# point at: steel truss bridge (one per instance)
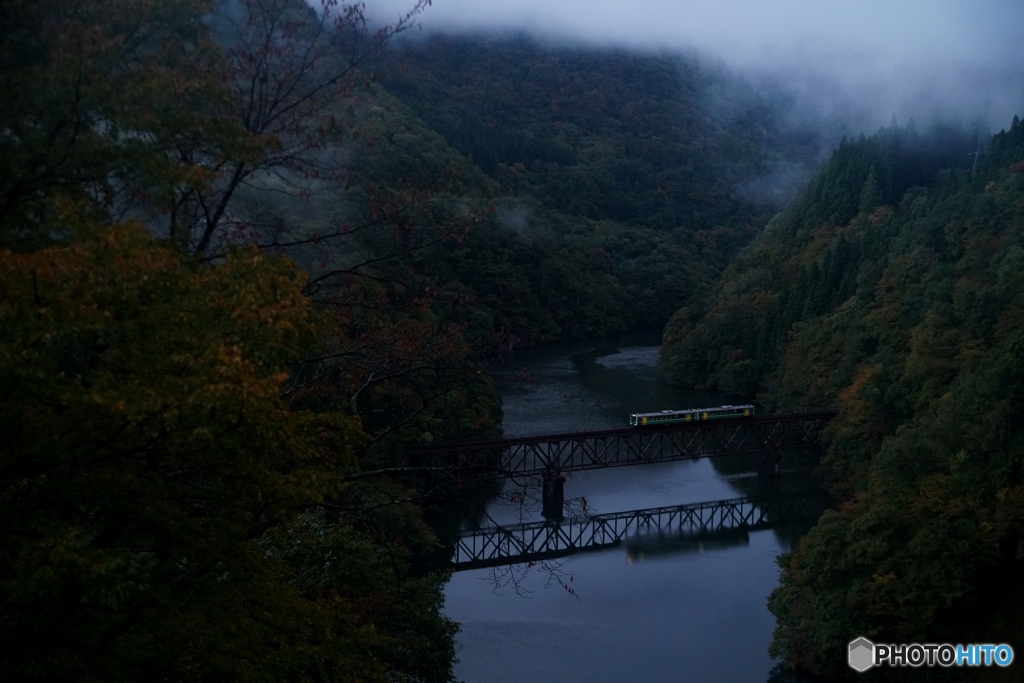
(558, 453)
(544, 540)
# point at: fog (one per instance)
(872, 58)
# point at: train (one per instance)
(690, 415)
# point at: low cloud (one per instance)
(904, 57)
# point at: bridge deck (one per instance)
(528, 439)
(555, 453)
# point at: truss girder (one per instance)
(535, 541)
(537, 455)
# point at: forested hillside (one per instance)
(892, 289)
(615, 186)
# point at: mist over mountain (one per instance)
(866, 61)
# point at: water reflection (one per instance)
(647, 548)
(539, 541)
(652, 548)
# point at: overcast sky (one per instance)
(904, 57)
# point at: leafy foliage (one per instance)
(74, 77)
(146, 460)
(183, 471)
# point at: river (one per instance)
(648, 610)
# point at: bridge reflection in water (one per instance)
(543, 540)
(641, 548)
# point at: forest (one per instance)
(891, 289)
(252, 250)
(620, 185)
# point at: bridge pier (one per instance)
(769, 465)
(554, 496)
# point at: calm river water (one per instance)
(646, 611)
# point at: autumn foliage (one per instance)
(180, 467)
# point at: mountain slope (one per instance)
(618, 185)
(902, 304)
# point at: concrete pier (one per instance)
(554, 496)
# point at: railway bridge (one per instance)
(551, 456)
